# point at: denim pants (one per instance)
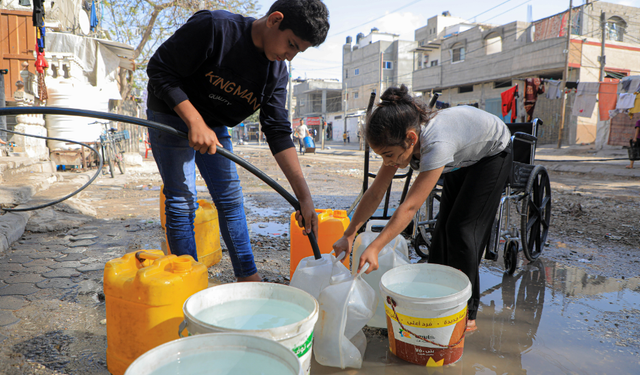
(176, 162)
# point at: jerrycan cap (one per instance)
(181, 265)
(341, 214)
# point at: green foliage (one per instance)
(255, 117)
(145, 24)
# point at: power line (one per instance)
(517, 6)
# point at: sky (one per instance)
(403, 17)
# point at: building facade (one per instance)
(375, 62)
(475, 64)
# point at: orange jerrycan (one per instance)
(144, 294)
(331, 226)
(206, 228)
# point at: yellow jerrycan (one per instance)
(144, 294)
(331, 226)
(206, 228)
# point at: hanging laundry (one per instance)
(607, 98)
(585, 100)
(554, 90)
(532, 88)
(94, 18)
(630, 84)
(38, 13)
(626, 100)
(636, 106)
(509, 102)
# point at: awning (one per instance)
(124, 51)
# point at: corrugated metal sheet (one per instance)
(17, 43)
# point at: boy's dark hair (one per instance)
(308, 19)
(397, 113)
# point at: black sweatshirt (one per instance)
(211, 60)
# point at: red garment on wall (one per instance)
(509, 102)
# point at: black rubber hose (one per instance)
(162, 127)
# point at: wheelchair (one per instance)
(527, 195)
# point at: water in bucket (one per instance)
(421, 290)
(253, 314)
(218, 354)
(224, 362)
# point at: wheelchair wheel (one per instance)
(422, 244)
(536, 213)
(510, 257)
(425, 224)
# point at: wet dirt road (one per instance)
(575, 310)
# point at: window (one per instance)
(493, 44)
(457, 54)
(463, 89)
(355, 95)
(346, 73)
(357, 71)
(434, 63)
(387, 65)
(615, 29)
(423, 60)
(502, 84)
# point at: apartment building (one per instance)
(474, 63)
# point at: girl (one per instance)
(469, 146)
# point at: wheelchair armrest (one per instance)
(524, 137)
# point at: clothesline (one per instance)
(623, 98)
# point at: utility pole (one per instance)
(344, 109)
(565, 74)
(603, 59)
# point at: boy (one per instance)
(216, 70)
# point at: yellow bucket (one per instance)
(144, 293)
(206, 228)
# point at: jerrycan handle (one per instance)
(364, 268)
(141, 256)
(371, 223)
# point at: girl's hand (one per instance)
(343, 245)
(370, 256)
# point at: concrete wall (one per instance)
(368, 60)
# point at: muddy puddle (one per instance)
(545, 319)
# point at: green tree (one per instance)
(145, 24)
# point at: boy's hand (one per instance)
(203, 139)
(310, 217)
(370, 256)
(343, 245)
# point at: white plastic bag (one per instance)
(346, 305)
(313, 275)
(394, 254)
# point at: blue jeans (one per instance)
(176, 162)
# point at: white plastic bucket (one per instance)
(426, 307)
(298, 336)
(218, 354)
